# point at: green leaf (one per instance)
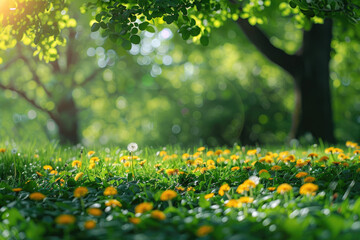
(143, 26)
(95, 27)
(204, 40)
(195, 31)
(292, 4)
(135, 39)
(185, 35)
(150, 29)
(134, 30)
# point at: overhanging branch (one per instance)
(29, 100)
(290, 63)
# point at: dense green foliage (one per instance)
(255, 205)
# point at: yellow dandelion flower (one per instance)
(301, 174)
(276, 168)
(80, 192)
(249, 183)
(89, 224)
(242, 188)
(263, 171)
(309, 179)
(94, 211)
(53, 172)
(185, 156)
(200, 149)
(208, 196)
(235, 168)
(2, 150)
(246, 199)
(143, 207)
(65, 219)
(190, 189)
(204, 231)
(180, 188)
(90, 153)
(110, 191)
(113, 203)
(134, 220)
(158, 215)
(312, 155)
(17, 189)
(271, 189)
(284, 188)
(218, 152)
(36, 196)
(209, 153)
(168, 195)
(76, 164)
(79, 176)
(233, 203)
(47, 167)
(224, 188)
(308, 188)
(226, 151)
(92, 166)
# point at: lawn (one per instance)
(174, 193)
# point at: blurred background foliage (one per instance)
(170, 91)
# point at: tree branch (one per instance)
(290, 63)
(9, 63)
(88, 79)
(36, 77)
(29, 100)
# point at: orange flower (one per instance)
(134, 220)
(76, 164)
(113, 203)
(80, 192)
(276, 168)
(17, 189)
(301, 174)
(48, 167)
(36, 196)
(65, 219)
(224, 188)
(204, 231)
(157, 214)
(308, 188)
(143, 207)
(208, 196)
(110, 191)
(309, 179)
(90, 224)
(284, 188)
(233, 203)
(94, 211)
(168, 195)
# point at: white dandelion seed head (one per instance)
(132, 147)
(14, 150)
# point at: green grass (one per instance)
(332, 211)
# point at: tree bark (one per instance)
(67, 121)
(310, 71)
(313, 84)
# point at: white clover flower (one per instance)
(132, 147)
(255, 179)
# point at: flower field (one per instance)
(148, 193)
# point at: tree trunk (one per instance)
(67, 121)
(312, 90)
(310, 70)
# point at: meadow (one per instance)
(173, 193)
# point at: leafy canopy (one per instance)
(39, 22)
